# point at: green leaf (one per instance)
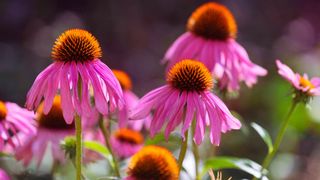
(224, 162)
(99, 148)
(264, 135)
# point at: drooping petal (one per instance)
(145, 104)
(287, 73)
(176, 117)
(66, 98)
(51, 91)
(35, 91)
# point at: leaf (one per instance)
(224, 162)
(264, 135)
(99, 148)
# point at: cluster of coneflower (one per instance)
(77, 96)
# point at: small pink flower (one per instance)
(211, 40)
(76, 66)
(187, 96)
(52, 129)
(126, 142)
(4, 175)
(301, 83)
(131, 101)
(14, 119)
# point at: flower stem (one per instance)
(195, 151)
(106, 136)
(78, 147)
(183, 150)
(279, 137)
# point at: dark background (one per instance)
(134, 36)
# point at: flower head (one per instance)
(186, 97)
(52, 128)
(212, 21)
(130, 101)
(126, 142)
(305, 87)
(75, 70)
(190, 75)
(14, 119)
(153, 162)
(76, 45)
(210, 39)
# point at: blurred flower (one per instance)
(4, 175)
(14, 119)
(186, 95)
(52, 129)
(304, 87)
(76, 66)
(126, 142)
(153, 162)
(211, 39)
(130, 101)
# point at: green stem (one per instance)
(78, 147)
(74, 164)
(183, 150)
(195, 151)
(279, 137)
(106, 136)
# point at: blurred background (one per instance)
(134, 36)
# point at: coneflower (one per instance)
(76, 63)
(77, 69)
(153, 162)
(304, 90)
(14, 119)
(186, 97)
(303, 86)
(210, 38)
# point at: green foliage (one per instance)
(224, 162)
(263, 133)
(99, 148)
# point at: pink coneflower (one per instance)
(52, 128)
(76, 66)
(126, 142)
(14, 119)
(131, 101)
(210, 38)
(4, 175)
(187, 95)
(301, 83)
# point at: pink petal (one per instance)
(66, 99)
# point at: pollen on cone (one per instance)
(190, 75)
(76, 45)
